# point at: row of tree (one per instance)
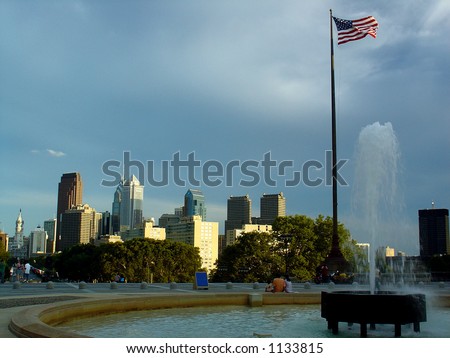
(135, 260)
(297, 246)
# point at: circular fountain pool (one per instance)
(282, 321)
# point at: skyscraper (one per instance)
(106, 224)
(70, 193)
(272, 206)
(433, 232)
(77, 226)
(115, 212)
(131, 204)
(194, 204)
(38, 241)
(50, 228)
(239, 212)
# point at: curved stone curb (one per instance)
(42, 321)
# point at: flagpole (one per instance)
(335, 260)
(333, 130)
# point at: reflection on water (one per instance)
(290, 321)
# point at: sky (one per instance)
(244, 85)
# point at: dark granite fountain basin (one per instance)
(383, 307)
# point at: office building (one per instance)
(107, 239)
(232, 235)
(50, 228)
(433, 232)
(115, 212)
(38, 241)
(271, 206)
(146, 230)
(131, 204)
(194, 204)
(106, 224)
(77, 226)
(194, 231)
(239, 212)
(166, 219)
(70, 193)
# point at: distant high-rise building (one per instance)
(106, 224)
(179, 211)
(239, 212)
(50, 228)
(166, 219)
(193, 231)
(78, 226)
(232, 235)
(194, 204)
(131, 204)
(38, 241)
(434, 232)
(115, 213)
(146, 230)
(70, 193)
(272, 206)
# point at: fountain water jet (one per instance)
(375, 195)
(375, 198)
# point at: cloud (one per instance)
(55, 153)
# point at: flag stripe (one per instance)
(351, 30)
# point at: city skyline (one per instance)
(83, 83)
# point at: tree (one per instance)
(135, 260)
(304, 249)
(79, 262)
(297, 246)
(250, 259)
(4, 255)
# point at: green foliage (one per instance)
(136, 260)
(298, 245)
(4, 255)
(250, 259)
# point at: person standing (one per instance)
(27, 271)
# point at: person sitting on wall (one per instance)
(278, 284)
(288, 287)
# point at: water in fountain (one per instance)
(375, 198)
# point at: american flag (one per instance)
(351, 30)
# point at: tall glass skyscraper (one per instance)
(194, 204)
(115, 212)
(129, 202)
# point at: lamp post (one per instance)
(287, 240)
